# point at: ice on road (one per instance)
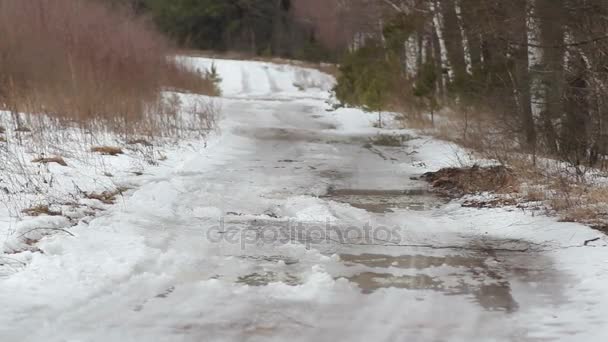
(291, 225)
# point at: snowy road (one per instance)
(292, 226)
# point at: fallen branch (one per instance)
(587, 242)
(50, 229)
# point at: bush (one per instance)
(370, 77)
(84, 62)
(366, 78)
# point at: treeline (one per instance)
(257, 27)
(535, 72)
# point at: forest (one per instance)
(530, 75)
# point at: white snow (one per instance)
(151, 268)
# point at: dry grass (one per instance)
(75, 74)
(181, 78)
(107, 197)
(84, 63)
(49, 160)
(472, 180)
(40, 210)
(534, 195)
(107, 150)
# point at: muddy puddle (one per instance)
(485, 277)
(418, 262)
(387, 201)
(266, 278)
(473, 277)
(270, 259)
(482, 270)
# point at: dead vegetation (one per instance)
(82, 62)
(581, 202)
(107, 197)
(107, 150)
(475, 179)
(49, 160)
(77, 78)
(548, 185)
(40, 210)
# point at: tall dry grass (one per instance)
(80, 61)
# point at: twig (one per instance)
(13, 260)
(51, 229)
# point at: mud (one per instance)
(387, 201)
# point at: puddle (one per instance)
(334, 175)
(281, 134)
(418, 262)
(486, 286)
(387, 201)
(271, 259)
(484, 278)
(482, 270)
(265, 278)
(370, 281)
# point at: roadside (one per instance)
(56, 176)
(497, 176)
